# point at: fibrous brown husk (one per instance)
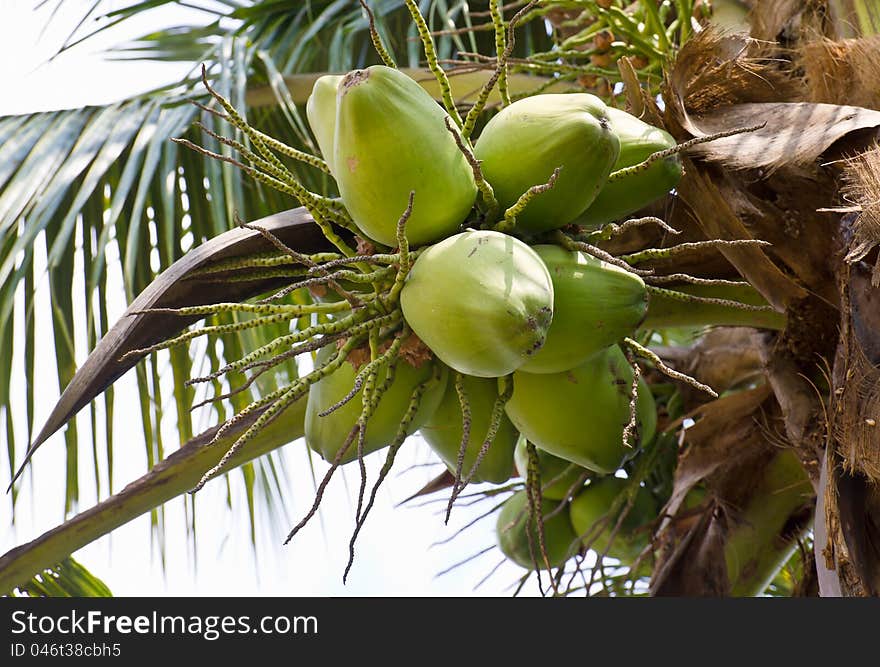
(856, 404)
(715, 69)
(842, 72)
(861, 192)
(848, 533)
(786, 20)
(855, 408)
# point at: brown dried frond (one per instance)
(358, 356)
(720, 82)
(841, 72)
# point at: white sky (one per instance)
(394, 554)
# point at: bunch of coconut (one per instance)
(521, 333)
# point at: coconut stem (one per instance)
(496, 12)
(378, 44)
(669, 152)
(536, 507)
(465, 407)
(710, 301)
(433, 64)
(644, 352)
(609, 231)
(510, 214)
(668, 253)
(486, 191)
(387, 357)
(271, 142)
(277, 401)
(500, 73)
(399, 438)
(667, 308)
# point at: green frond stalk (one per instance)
(710, 301)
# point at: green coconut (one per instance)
(522, 145)
(513, 530)
(321, 113)
(391, 139)
(594, 522)
(595, 304)
(326, 435)
(443, 431)
(580, 414)
(559, 477)
(481, 300)
(620, 198)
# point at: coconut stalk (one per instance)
(664, 311)
(170, 478)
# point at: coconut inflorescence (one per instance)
(461, 301)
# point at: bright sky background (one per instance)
(395, 556)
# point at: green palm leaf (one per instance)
(66, 579)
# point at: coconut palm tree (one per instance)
(117, 182)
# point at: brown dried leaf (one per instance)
(796, 133)
(713, 211)
(365, 247)
(723, 358)
(723, 82)
(696, 565)
(723, 434)
(443, 481)
(415, 352)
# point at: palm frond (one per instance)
(174, 476)
(104, 189)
